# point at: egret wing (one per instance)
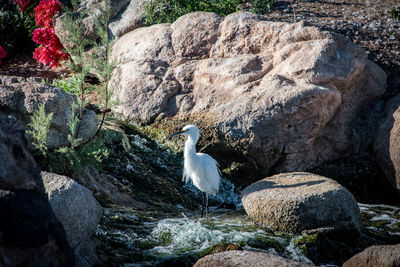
(210, 172)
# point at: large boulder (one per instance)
(243, 258)
(30, 233)
(387, 142)
(20, 100)
(78, 211)
(293, 202)
(273, 93)
(382, 256)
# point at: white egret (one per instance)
(201, 168)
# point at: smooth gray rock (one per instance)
(78, 211)
(20, 100)
(242, 258)
(293, 202)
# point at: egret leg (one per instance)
(206, 205)
(203, 204)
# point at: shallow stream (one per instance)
(175, 235)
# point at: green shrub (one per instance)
(72, 158)
(15, 27)
(260, 6)
(396, 13)
(167, 11)
(69, 84)
(70, 162)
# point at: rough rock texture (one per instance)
(126, 15)
(103, 189)
(30, 233)
(78, 211)
(382, 256)
(242, 258)
(19, 101)
(276, 91)
(387, 142)
(130, 18)
(292, 202)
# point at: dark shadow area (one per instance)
(362, 177)
(30, 233)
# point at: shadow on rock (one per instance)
(30, 234)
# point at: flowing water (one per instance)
(177, 236)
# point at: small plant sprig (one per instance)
(40, 124)
(97, 61)
(101, 62)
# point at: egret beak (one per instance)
(180, 132)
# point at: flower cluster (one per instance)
(3, 53)
(23, 4)
(49, 56)
(46, 36)
(45, 11)
(51, 50)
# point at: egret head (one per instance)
(190, 130)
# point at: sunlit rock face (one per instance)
(376, 256)
(246, 258)
(293, 202)
(284, 95)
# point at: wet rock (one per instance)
(104, 190)
(387, 142)
(30, 233)
(294, 202)
(78, 211)
(246, 258)
(383, 256)
(273, 91)
(19, 101)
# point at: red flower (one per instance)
(46, 36)
(49, 56)
(23, 4)
(3, 53)
(51, 50)
(45, 11)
